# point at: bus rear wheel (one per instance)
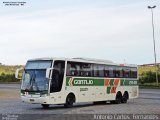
(118, 98)
(69, 101)
(125, 97)
(45, 105)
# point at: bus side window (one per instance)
(106, 71)
(111, 71)
(68, 69)
(126, 73)
(73, 71)
(101, 69)
(117, 72)
(121, 72)
(95, 70)
(86, 70)
(77, 66)
(133, 73)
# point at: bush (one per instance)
(8, 78)
(148, 77)
(7, 73)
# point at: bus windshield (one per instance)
(34, 80)
(34, 76)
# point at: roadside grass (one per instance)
(150, 85)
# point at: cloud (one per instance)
(115, 33)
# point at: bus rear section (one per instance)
(101, 82)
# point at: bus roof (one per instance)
(87, 60)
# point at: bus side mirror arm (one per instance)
(48, 72)
(17, 72)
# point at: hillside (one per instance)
(9, 69)
(7, 73)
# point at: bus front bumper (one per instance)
(35, 100)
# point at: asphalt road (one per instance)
(147, 103)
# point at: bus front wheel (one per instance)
(118, 98)
(45, 105)
(69, 101)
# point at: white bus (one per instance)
(67, 81)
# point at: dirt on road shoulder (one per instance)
(9, 94)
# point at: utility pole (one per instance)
(149, 7)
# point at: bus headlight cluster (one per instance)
(22, 94)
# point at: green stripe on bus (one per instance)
(99, 82)
(67, 81)
(108, 90)
(71, 81)
(130, 82)
(111, 82)
(121, 81)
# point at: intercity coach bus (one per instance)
(67, 81)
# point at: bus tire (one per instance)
(45, 105)
(95, 103)
(125, 97)
(112, 102)
(99, 102)
(69, 100)
(118, 98)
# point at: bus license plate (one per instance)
(31, 100)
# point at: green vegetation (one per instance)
(150, 85)
(7, 73)
(147, 76)
(145, 69)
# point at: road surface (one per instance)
(147, 103)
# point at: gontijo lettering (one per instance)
(81, 82)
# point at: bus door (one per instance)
(57, 80)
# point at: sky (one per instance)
(118, 30)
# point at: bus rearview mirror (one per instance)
(17, 73)
(48, 72)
